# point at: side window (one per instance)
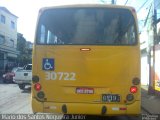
(12, 25)
(51, 38)
(42, 34)
(48, 37)
(130, 36)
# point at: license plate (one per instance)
(110, 98)
(84, 90)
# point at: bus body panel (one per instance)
(103, 68)
(84, 108)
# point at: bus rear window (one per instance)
(86, 26)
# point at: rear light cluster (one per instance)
(133, 89)
(38, 87)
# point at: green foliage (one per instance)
(25, 54)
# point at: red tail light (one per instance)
(133, 89)
(37, 87)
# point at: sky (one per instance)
(27, 11)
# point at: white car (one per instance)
(23, 77)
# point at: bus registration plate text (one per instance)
(110, 98)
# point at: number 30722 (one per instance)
(60, 76)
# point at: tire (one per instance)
(21, 86)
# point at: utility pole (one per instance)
(113, 2)
(151, 89)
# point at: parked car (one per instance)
(23, 77)
(8, 77)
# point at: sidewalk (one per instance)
(150, 103)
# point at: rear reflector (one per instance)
(133, 89)
(37, 87)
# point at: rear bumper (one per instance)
(22, 81)
(84, 108)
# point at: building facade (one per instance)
(8, 38)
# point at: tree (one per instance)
(24, 56)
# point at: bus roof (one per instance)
(86, 5)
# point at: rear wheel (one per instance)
(21, 86)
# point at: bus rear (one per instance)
(86, 60)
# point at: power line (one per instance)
(142, 6)
(126, 2)
(148, 15)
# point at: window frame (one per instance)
(13, 25)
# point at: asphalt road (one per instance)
(15, 101)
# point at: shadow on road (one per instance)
(28, 90)
(7, 82)
(1, 82)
